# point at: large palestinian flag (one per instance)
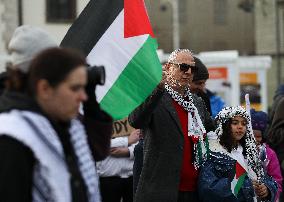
(238, 180)
(118, 35)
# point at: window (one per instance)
(60, 10)
(220, 12)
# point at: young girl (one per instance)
(267, 155)
(232, 170)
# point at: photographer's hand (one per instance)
(91, 107)
(98, 125)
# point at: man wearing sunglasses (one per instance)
(174, 122)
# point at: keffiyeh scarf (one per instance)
(196, 129)
(250, 144)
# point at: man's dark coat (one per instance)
(163, 146)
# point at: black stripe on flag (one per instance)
(91, 24)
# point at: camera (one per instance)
(96, 75)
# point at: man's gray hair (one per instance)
(174, 54)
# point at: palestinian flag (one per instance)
(238, 180)
(117, 34)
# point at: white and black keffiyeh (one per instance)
(196, 129)
(51, 181)
(250, 144)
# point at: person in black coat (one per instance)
(275, 136)
(172, 120)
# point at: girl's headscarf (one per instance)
(250, 144)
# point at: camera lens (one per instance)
(96, 75)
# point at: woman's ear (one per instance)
(43, 89)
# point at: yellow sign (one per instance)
(249, 85)
(248, 78)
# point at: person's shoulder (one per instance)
(279, 103)
(216, 147)
(269, 149)
(196, 97)
(217, 99)
(217, 151)
(281, 100)
(197, 101)
(14, 148)
(11, 118)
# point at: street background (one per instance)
(249, 27)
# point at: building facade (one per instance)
(269, 37)
(52, 15)
(207, 25)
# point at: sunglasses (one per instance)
(185, 67)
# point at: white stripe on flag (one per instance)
(114, 52)
(233, 185)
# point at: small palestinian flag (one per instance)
(117, 34)
(238, 180)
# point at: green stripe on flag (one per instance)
(239, 184)
(135, 83)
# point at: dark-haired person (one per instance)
(213, 102)
(27, 41)
(278, 95)
(275, 135)
(233, 169)
(44, 151)
(173, 122)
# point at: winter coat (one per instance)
(279, 94)
(272, 167)
(216, 103)
(163, 146)
(276, 134)
(215, 181)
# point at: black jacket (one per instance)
(163, 146)
(276, 134)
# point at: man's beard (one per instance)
(176, 84)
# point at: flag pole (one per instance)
(248, 109)
(250, 129)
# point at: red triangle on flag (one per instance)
(136, 20)
(239, 170)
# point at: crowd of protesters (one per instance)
(186, 146)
